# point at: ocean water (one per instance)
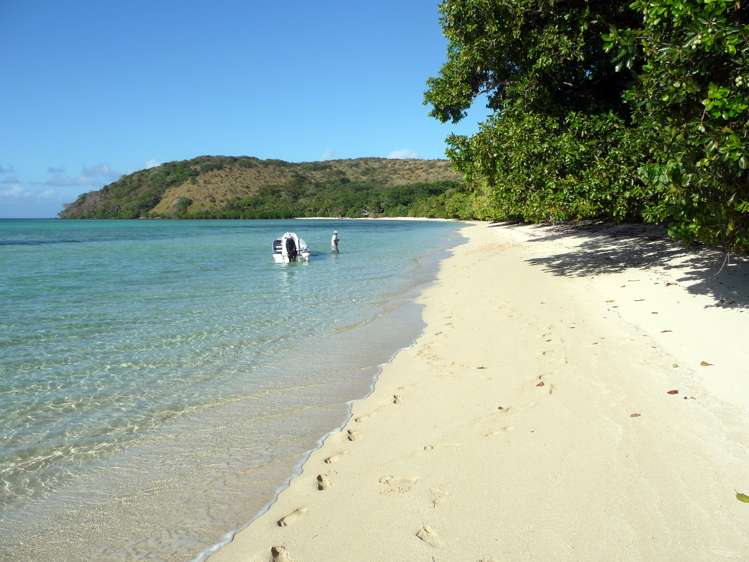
(159, 380)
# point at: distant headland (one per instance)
(247, 187)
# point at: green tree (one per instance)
(692, 97)
(181, 205)
(557, 144)
(620, 110)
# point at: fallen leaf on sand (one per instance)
(540, 383)
(743, 498)
(635, 415)
(481, 367)
(705, 364)
(670, 283)
(674, 391)
(665, 331)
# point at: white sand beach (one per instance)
(576, 395)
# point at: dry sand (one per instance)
(535, 418)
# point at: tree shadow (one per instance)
(604, 248)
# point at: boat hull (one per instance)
(279, 258)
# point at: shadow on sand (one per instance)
(604, 248)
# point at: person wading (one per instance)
(334, 242)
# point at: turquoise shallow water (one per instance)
(160, 379)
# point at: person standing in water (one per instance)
(334, 242)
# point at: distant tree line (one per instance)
(620, 110)
(349, 199)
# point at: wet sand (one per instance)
(576, 395)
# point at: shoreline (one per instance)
(298, 470)
(507, 440)
(410, 298)
(436, 219)
(194, 477)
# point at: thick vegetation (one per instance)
(617, 110)
(351, 200)
(244, 187)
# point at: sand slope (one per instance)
(532, 420)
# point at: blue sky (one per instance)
(93, 90)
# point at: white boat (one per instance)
(290, 248)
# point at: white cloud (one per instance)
(151, 164)
(90, 176)
(62, 180)
(97, 171)
(328, 154)
(19, 192)
(403, 154)
(14, 191)
(47, 194)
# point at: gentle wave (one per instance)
(37, 242)
(152, 371)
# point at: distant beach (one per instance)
(577, 394)
(381, 219)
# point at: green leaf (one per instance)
(743, 498)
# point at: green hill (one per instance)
(246, 187)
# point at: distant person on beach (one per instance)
(334, 242)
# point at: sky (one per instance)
(91, 90)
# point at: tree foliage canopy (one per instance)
(603, 109)
(542, 56)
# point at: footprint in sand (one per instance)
(323, 482)
(279, 554)
(503, 429)
(361, 418)
(396, 486)
(332, 459)
(430, 536)
(364, 417)
(287, 520)
(352, 435)
(438, 496)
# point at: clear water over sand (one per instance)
(159, 380)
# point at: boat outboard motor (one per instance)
(291, 250)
